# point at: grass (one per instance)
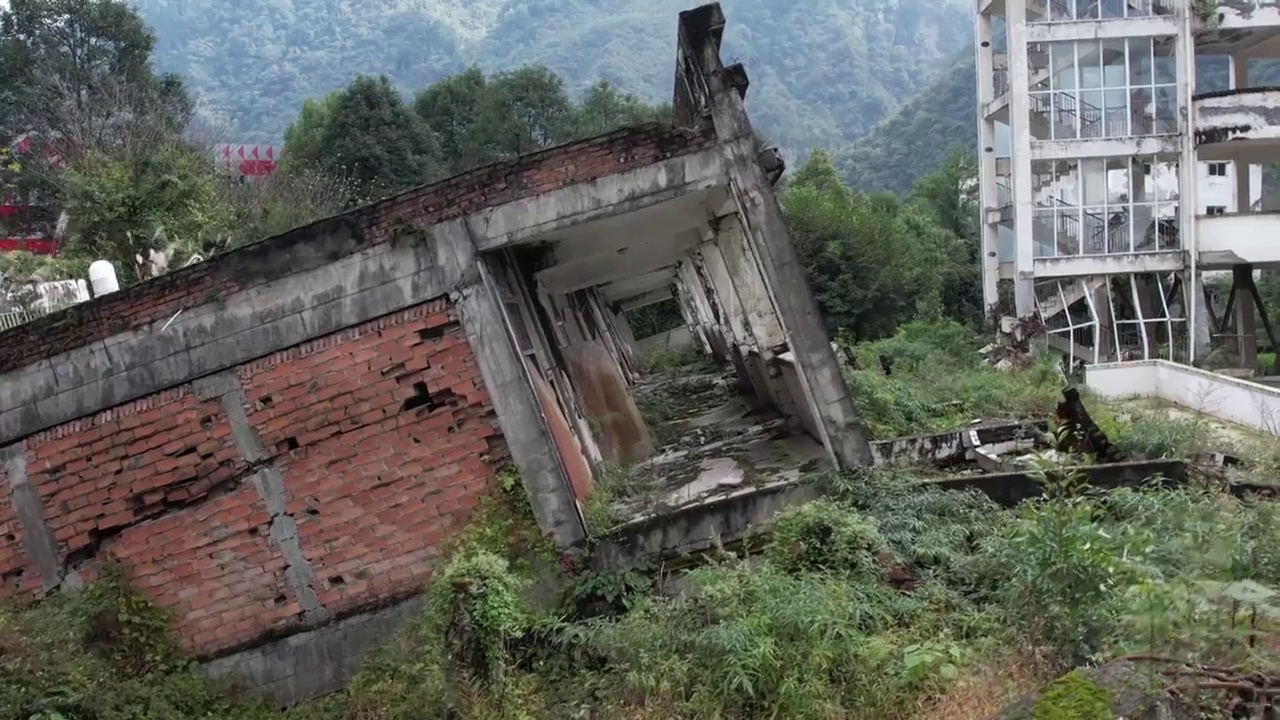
(887, 600)
(938, 383)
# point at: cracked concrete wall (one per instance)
(1252, 114)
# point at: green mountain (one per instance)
(917, 137)
(823, 72)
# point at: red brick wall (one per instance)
(159, 299)
(376, 473)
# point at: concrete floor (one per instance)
(721, 446)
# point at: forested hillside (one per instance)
(823, 72)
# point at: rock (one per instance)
(1115, 690)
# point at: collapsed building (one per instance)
(278, 443)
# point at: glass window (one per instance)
(1094, 180)
(1139, 61)
(1164, 65)
(1117, 181)
(1120, 232)
(1143, 227)
(1042, 233)
(1166, 110)
(1095, 232)
(1114, 72)
(1067, 188)
(1068, 229)
(1041, 116)
(1090, 54)
(1065, 114)
(1116, 113)
(1064, 65)
(1091, 120)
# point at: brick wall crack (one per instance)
(37, 538)
(269, 482)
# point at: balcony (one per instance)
(1247, 14)
(1238, 123)
(1237, 238)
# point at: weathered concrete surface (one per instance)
(765, 230)
(621, 433)
(1009, 489)
(696, 528)
(948, 448)
(1234, 121)
(315, 662)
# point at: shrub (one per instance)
(825, 536)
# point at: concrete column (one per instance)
(1199, 326)
(623, 327)
(1239, 69)
(988, 196)
(523, 426)
(753, 293)
(704, 311)
(731, 310)
(1243, 192)
(1104, 340)
(1188, 187)
(1246, 316)
(765, 229)
(1020, 147)
(620, 351)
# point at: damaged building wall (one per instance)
(710, 94)
(471, 344)
(277, 495)
(179, 386)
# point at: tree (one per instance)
(451, 107)
(949, 193)
(604, 107)
(78, 73)
(302, 139)
(124, 205)
(873, 261)
(373, 140)
(521, 111)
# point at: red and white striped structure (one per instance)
(248, 160)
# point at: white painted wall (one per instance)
(1237, 401)
(676, 339)
(1248, 14)
(1251, 238)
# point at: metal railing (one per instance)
(1069, 10)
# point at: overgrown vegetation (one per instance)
(888, 599)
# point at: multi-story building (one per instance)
(1112, 185)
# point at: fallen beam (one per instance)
(942, 449)
(1009, 489)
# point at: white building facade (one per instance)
(1111, 186)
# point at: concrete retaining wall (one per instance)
(1237, 401)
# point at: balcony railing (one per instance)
(1072, 10)
(11, 320)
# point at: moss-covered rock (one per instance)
(1112, 691)
(1073, 696)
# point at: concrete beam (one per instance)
(626, 192)
(632, 287)
(647, 299)
(581, 273)
(216, 333)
